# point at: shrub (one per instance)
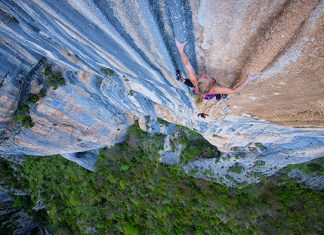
(42, 93)
(22, 115)
(236, 168)
(107, 71)
(315, 167)
(27, 122)
(25, 119)
(24, 108)
(55, 80)
(33, 99)
(19, 117)
(19, 201)
(48, 71)
(23, 111)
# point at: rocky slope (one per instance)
(86, 40)
(14, 220)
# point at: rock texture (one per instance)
(15, 220)
(86, 38)
(315, 182)
(85, 159)
(280, 39)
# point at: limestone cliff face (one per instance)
(86, 38)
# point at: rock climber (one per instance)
(205, 87)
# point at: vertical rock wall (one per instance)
(281, 40)
(84, 38)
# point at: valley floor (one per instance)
(131, 192)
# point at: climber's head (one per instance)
(204, 84)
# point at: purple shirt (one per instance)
(207, 96)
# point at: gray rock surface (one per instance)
(15, 221)
(85, 159)
(84, 38)
(313, 181)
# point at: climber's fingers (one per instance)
(180, 45)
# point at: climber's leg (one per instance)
(184, 80)
(188, 83)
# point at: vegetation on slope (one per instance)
(11, 178)
(132, 193)
(52, 79)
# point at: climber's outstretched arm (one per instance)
(228, 91)
(185, 60)
(225, 90)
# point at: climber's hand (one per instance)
(252, 77)
(180, 45)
